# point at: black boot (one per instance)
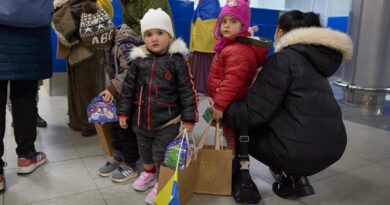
(41, 122)
(244, 190)
(287, 186)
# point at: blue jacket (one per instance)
(25, 45)
(25, 53)
(26, 13)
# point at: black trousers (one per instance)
(23, 95)
(125, 141)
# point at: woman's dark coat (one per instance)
(295, 122)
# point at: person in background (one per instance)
(295, 122)
(25, 58)
(134, 10)
(122, 166)
(159, 85)
(40, 121)
(235, 64)
(85, 72)
(202, 41)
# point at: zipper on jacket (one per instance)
(150, 92)
(139, 105)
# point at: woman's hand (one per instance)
(107, 96)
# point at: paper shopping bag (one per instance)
(177, 185)
(105, 135)
(214, 174)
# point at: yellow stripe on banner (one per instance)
(106, 6)
(165, 195)
(202, 36)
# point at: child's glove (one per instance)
(107, 96)
(189, 126)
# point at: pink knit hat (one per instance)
(240, 10)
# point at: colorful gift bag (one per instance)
(100, 111)
(177, 186)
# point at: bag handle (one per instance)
(205, 134)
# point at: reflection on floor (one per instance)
(69, 178)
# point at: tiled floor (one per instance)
(69, 178)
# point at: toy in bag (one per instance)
(187, 151)
(100, 111)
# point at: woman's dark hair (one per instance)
(298, 19)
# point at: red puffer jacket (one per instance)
(233, 70)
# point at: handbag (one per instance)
(244, 190)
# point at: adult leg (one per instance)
(287, 185)
(40, 121)
(3, 102)
(74, 118)
(87, 85)
(24, 112)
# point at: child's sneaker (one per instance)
(149, 199)
(110, 166)
(28, 165)
(145, 181)
(123, 173)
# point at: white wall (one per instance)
(339, 7)
(303, 5)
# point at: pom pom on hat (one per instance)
(156, 19)
(96, 27)
(239, 9)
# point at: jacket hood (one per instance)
(125, 33)
(326, 49)
(178, 46)
(254, 42)
(260, 52)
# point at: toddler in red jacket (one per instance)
(235, 64)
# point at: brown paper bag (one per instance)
(105, 134)
(186, 181)
(186, 177)
(215, 166)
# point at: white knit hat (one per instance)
(156, 19)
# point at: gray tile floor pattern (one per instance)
(69, 177)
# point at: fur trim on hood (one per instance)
(318, 36)
(177, 46)
(59, 3)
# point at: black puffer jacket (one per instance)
(161, 88)
(295, 122)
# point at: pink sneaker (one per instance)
(145, 181)
(149, 199)
(26, 166)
